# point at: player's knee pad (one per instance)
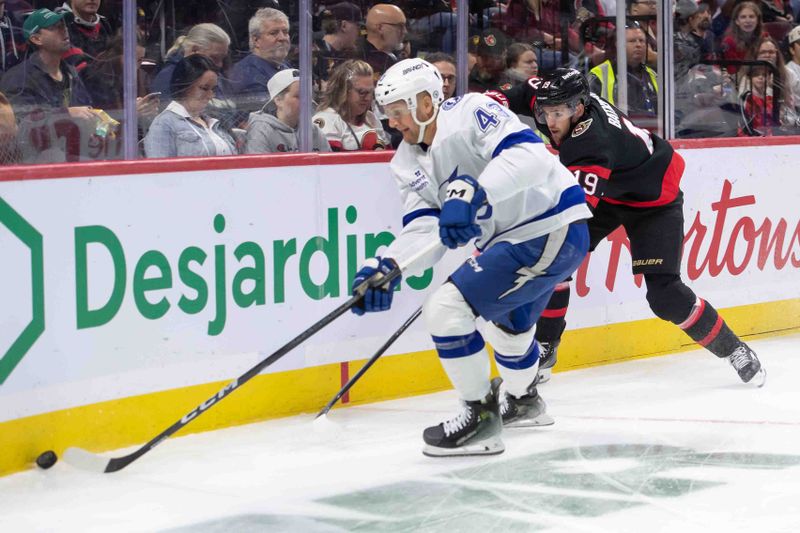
(669, 298)
(451, 321)
(506, 342)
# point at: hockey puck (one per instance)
(46, 460)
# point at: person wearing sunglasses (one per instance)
(345, 112)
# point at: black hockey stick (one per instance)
(86, 460)
(352, 381)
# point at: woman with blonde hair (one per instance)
(345, 112)
(205, 39)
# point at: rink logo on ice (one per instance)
(578, 483)
(196, 278)
(18, 235)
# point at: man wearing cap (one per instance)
(341, 25)
(269, 132)
(490, 61)
(794, 50)
(44, 83)
(386, 28)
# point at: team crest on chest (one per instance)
(581, 127)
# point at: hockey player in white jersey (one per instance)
(469, 169)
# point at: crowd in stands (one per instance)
(220, 78)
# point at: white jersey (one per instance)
(344, 136)
(530, 193)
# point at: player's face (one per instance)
(559, 119)
(400, 119)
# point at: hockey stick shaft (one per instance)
(352, 381)
(89, 461)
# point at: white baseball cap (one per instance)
(281, 81)
(794, 35)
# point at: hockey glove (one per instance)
(457, 220)
(378, 297)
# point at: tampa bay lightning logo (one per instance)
(450, 103)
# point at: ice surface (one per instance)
(669, 444)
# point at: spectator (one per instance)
(522, 64)
(104, 80)
(341, 24)
(646, 8)
(758, 106)
(686, 45)
(794, 51)
(269, 48)
(11, 41)
(275, 130)
(784, 79)
(233, 16)
(700, 24)
(9, 149)
(46, 91)
(490, 61)
(642, 80)
(386, 30)
(89, 32)
(742, 36)
(183, 128)
(446, 65)
(345, 113)
(205, 39)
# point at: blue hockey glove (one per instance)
(378, 297)
(457, 220)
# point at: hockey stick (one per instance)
(410, 320)
(86, 460)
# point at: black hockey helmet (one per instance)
(562, 86)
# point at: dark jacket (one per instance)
(249, 79)
(30, 88)
(88, 40)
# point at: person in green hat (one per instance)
(43, 84)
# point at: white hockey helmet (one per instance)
(404, 80)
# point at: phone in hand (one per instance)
(152, 95)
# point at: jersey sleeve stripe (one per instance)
(518, 137)
(670, 186)
(428, 212)
(601, 172)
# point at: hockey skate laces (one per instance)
(739, 357)
(459, 422)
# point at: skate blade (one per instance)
(544, 375)
(542, 420)
(760, 378)
(491, 446)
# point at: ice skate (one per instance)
(547, 359)
(474, 431)
(526, 411)
(747, 365)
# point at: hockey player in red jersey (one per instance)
(631, 179)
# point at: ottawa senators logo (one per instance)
(505, 87)
(319, 122)
(490, 40)
(581, 127)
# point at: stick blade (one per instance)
(80, 458)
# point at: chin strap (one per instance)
(424, 125)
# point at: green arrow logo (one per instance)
(31, 238)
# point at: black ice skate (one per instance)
(747, 365)
(547, 359)
(475, 431)
(526, 411)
